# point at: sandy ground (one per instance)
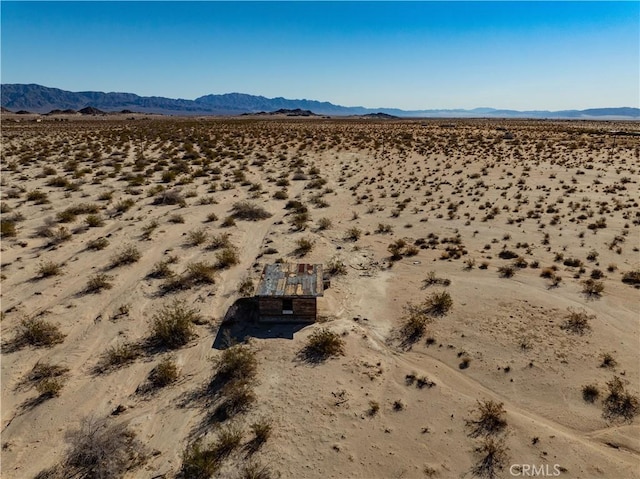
(549, 192)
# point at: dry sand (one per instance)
(475, 187)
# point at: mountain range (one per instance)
(40, 99)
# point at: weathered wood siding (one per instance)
(304, 309)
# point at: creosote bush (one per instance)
(172, 326)
(246, 210)
(619, 403)
(165, 373)
(127, 255)
(323, 344)
(577, 322)
(490, 419)
(38, 332)
(98, 282)
(49, 268)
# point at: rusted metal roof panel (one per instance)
(289, 279)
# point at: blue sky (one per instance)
(410, 55)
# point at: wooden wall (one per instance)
(304, 309)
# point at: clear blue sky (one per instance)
(414, 55)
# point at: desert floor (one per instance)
(530, 228)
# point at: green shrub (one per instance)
(227, 257)
(219, 241)
(237, 363)
(246, 210)
(38, 332)
(94, 221)
(172, 326)
(323, 344)
(127, 255)
(165, 373)
(353, 234)
(98, 282)
(49, 268)
(119, 355)
(304, 246)
(196, 237)
(324, 223)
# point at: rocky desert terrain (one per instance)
(482, 318)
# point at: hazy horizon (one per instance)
(406, 55)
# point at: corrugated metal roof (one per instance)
(290, 279)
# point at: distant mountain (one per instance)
(40, 99)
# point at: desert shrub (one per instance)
(237, 363)
(255, 470)
(631, 277)
(66, 216)
(219, 241)
(169, 197)
(212, 217)
(94, 221)
(102, 451)
(577, 322)
(38, 332)
(49, 388)
(47, 378)
(299, 221)
(323, 344)
(228, 440)
(172, 325)
(60, 235)
(590, 392)
(228, 222)
(127, 255)
(490, 419)
(324, 223)
(414, 325)
(262, 430)
(507, 254)
(336, 267)
(123, 206)
(281, 195)
(236, 397)
(38, 197)
(492, 458)
(227, 257)
(374, 407)
(98, 282)
(591, 287)
(196, 237)
(608, 361)
(572, 262)
(245, 288)
(439, 303)
(384, 228)
(118, 355)
(246, 210)
(432, 279)
(176, 218)
(596, 274)
(199, 462)
(620, 404)
(7, 228)
(353, 234)
(165, 373)
(304, 246)
(507, 271)
(49, 268)
(161, 270)
(98, 244)
(396, 249)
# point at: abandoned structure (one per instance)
(288, 292)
